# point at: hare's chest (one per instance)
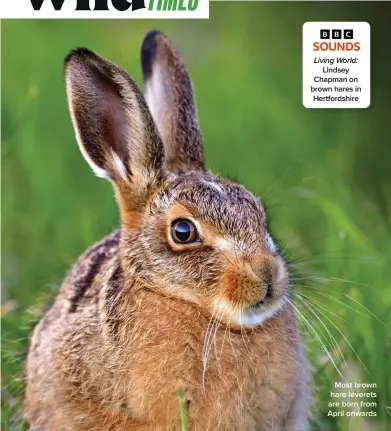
(228, 380)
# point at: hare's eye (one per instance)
(184, 232)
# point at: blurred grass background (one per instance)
(323, 174)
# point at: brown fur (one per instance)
(139, 316)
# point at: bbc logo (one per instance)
(336, 34)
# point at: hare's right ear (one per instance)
(170, 97)
(114, 128)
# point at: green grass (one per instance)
(182, 410)
(323, 174)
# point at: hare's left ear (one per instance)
(114, 128)
(169, 94)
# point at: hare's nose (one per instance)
(249, 284)
(266, 293)
(255, 287)
(265, 269)
(247, 280)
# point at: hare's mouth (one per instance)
(252, 317)
(256, 315)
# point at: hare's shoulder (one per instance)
(83, 278)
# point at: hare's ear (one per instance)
(114, 128)
(170, 98)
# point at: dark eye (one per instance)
(184, 232)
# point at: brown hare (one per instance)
(190, 293)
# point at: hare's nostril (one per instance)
(266, 298)
(258, 304)
(269, 292)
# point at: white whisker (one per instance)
(344, 337)
(366, 309)
(333, 298)
(331, 337)
(316, 336)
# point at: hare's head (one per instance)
(194, 235)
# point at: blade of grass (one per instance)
(183, 410)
